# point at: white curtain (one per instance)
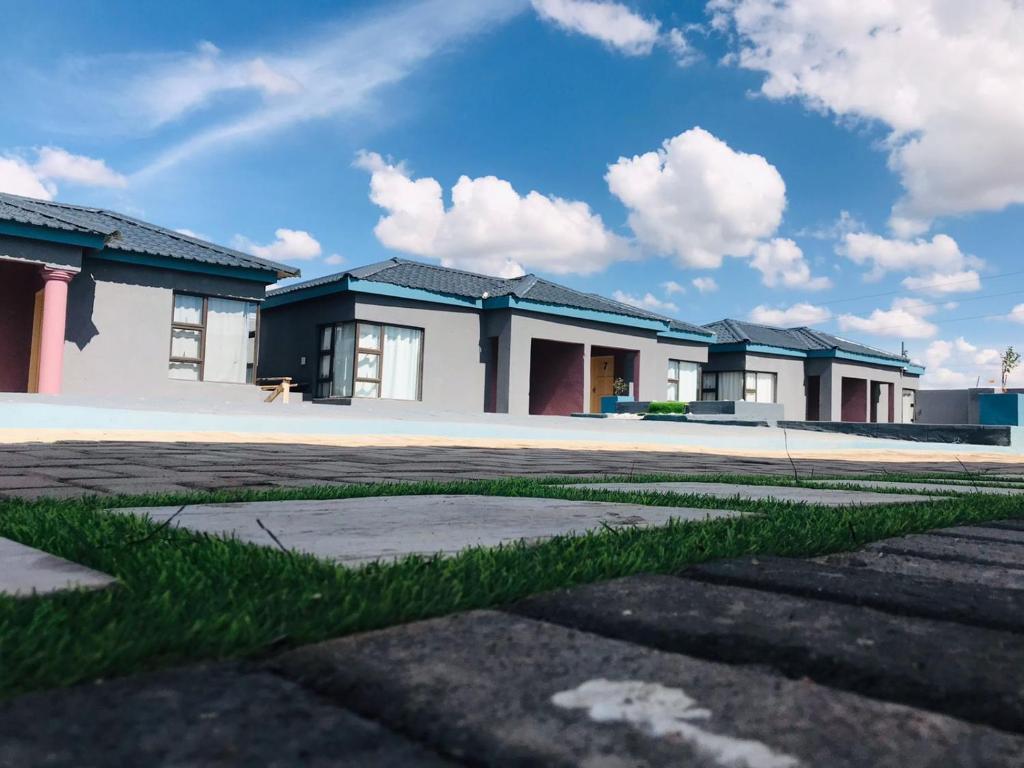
(730, 386)
(344, 347)
(766, 387)
(188, 309)
(401, 364)
(227, 340)
(689, 374)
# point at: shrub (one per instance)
(666, 407)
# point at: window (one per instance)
(682, 380)
(752, 386)
(370, 360)
(212, 339)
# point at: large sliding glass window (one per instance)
(682, 381)
(212, 339)
(752, 386)
(370, 360)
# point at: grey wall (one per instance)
(41, 252)
(949, 406)
(789, 372)
(832, 381)
(118, 329)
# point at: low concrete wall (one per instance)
(969, 434)
(736, 409)
(1002, 408)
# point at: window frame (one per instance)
(745, 373)
(354, 359)
(250, 368)
(670, 381)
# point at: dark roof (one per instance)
(123, 233)
(457, 282)
(803, 339)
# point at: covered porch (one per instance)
(33, 315)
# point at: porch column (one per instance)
(51, 335)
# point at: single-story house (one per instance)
(92, 301)
(814, 375)
(401, 330)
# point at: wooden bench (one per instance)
(277, 385)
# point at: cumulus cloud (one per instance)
(19, 176)
(905, 318)
(289, 245)
(671, 287)
(781, 263)
(944, 77)
(647, 301)
(699, 200)
(489, 226)
(940, 266)
(795, 315)
(959, 363)
(705, 284)
(335, 259)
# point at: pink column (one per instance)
(51, 341)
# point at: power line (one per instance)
(935, 284)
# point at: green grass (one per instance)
(666, 407)
(184, 596)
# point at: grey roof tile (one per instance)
(124, 233)
(457, 282)
(729, 331)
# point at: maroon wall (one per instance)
(556, 378)
(18, 285)
(854, 399)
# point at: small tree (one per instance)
(1010, 359)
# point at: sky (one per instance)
(857, 167)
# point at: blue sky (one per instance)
(858, 169)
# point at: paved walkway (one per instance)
(24, 570)
(751, 663)
(62, 470)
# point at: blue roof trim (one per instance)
(684, 336)
(857, 357)
(765, 349)
(525, 305)
(355, 285)
(914, 370)
(63, 236)
(264, 276)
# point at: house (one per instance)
(401, 330)
(814, 375)
(93, 301)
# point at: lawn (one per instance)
(183, 596)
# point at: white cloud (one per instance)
(943, 76)
(1017, 314)
(647, 301)
(796, 315)
(60, 165)
(699, 200)
(905, 318)
(335, 259)
(489, 227)
(289, 245)
(191, 233)
(940, 265)
(959, 363)
(611, 23)
(705, 284)
(19, 176)
(781, 263)
(671, 287)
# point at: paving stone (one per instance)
(905, 595)
(71, 472)
(967, 672)
(362, 530)
(978, 533)
(930, 487)
(54, 492)
(212, 715)
(946, 570)
(24, 570)
(502, 690)
(952, 548)
(824, 496)
(19, 482)
(1006, 525)
(151, 485)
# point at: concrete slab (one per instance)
(24, 570)
(905, 565)
(978, 533)
(905, 596)
(505, 690)
(927, 487)
(966, 672)
(362, 530)
(823, 496)
(211, 715)
(953, 548)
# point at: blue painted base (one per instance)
(610, 403)
(1003, 408)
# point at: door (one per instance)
(909, 403)
(813, 398)
(602, 380)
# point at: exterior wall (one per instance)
(119, 328)
(789, 379)
(456, 347)
(949, 406)
(556, 377)
(41, 252)
(831, 388)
